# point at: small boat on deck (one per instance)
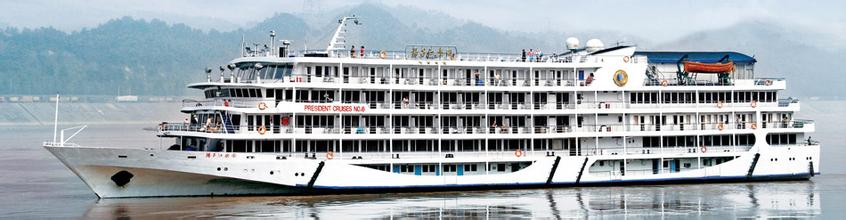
(698, 67)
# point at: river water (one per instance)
(37, 186)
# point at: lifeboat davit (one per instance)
(697, 67)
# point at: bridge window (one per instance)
(781, 139)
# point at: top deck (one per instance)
(440, 56)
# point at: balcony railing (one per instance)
(499, 129)
(663, 150)
(787, 102)
(210, 128)
(221, 102)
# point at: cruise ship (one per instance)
(430, 117)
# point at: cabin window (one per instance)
(428, 168)
(470, 167)
(250, 123)
(406, 168)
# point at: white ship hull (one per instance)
(274, 123)
(158, 173)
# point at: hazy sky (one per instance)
(657, 20)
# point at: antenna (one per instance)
(56, 119)
(272, 38)
(208, 74)
(242, 45)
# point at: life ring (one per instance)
(262, 106)
(754, 104)
(285, 121)
(262, 130)
(626, 59)
(330, 155)
(383, 54)
(754, 125)
(721, 126)
(703, 149)
(518, 152)
(664, 83)
(719, 104)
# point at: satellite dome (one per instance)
(594, 45)
(572, 43)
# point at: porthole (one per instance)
(271, 172)
(218, 169)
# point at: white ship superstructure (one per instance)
(432, 118)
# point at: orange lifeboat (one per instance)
(697, 67)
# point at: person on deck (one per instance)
(362, 51)
(352, 51)
(589, 79)
(531, 55)
(327, 98)
(540, 55)
(479, 81)
(523, 58)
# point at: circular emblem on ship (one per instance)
(621, 78)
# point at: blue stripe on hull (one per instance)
(714, 179)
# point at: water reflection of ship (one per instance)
(793, 199)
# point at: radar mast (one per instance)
(338, 39)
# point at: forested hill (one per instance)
(125, 56)
(151, 57)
